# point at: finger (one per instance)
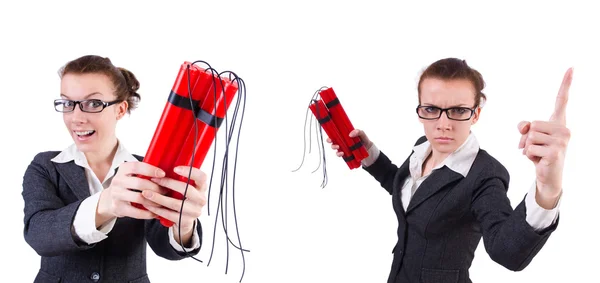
(537, 152)
(173, 203)
(128, 196)
(128, 210)
(538, 138)
(355, 133)
(549, 128)
(340, 154)
(562, 98)
(171, 215)
(138, 184)
(141, 168)
(335, 146)
(329, 140)
(523, 129)
(196, 174)
(179, 186)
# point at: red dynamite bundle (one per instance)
(194, 112)
(332, 118)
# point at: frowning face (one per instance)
(444, 133)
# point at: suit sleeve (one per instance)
(48, 221)
(384, 171)
(508, 238)
(158, 237)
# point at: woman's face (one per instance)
(444, 134)
(91, 132)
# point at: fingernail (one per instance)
(160, 173)
(177, 169)
(147, 194)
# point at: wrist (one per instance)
(547, 197)
(103, 213)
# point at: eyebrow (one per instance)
(453, 106)
(85, 97)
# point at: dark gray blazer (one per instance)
(52, 193)
(447, 217)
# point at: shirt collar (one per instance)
(72, 153)
(459, 161)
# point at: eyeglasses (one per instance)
(89, 105)
(454, 113)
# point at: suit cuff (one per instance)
(538, 217)
(84, 224)
(373, 155)
(195, 240)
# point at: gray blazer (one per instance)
(447, 217)
(52, 193)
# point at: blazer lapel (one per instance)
(74, 176)
(435, 182)
(403, 173)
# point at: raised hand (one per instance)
(355, 133)
(170, 208)
(545, 143)
(115, 201)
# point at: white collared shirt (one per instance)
(460, 161)
(84, 224)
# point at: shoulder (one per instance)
(45, 157)
(487, 166)
(421, 140)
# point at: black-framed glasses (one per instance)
(453, 113)
(89, 105)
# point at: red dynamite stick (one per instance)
(341, 120)
(177, 115)
(320, 111)
(209, 112)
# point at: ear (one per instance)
(476, 116)
(122, 109)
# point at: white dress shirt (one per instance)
(460, 161)
(84, 224)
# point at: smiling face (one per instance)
(91, 132)
(446, 135)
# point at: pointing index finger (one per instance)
(562, 98)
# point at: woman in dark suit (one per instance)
(78, 212)
(449, 193)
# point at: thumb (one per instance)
(523, 127)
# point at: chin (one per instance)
(445, 147)
(85, 145)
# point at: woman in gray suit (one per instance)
(78, 212)
(449, 193)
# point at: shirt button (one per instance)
(95, 277)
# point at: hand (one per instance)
(115, 201)
(170, 208)
(353, 134)
(545, 143)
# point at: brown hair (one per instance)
(124, 82)
(455, 69)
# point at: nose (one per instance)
(443, 123)
(78, 116)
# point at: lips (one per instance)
(84, 133)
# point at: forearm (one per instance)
(541, 212)
(90, 225)
(162, 241)
(509, 239)
(49, 231)
(383, 170)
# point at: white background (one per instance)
(371, 52)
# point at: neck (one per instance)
(104, 156)
(437, 157)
